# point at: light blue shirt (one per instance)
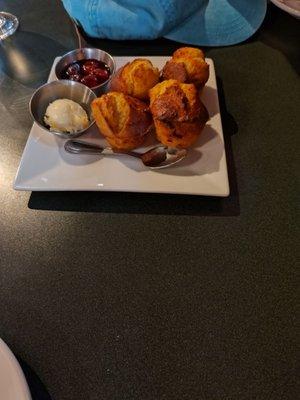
(202, 22)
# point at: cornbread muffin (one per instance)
(187, 65)
(122, 119)
(135, 78)
(178, 113)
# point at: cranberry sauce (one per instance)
(90, 72)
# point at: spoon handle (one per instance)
(80, 146)
(81, 42)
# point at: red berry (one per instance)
(75, 77)
(101, 74)
(89, 66)
(90, 81)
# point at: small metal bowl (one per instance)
(62, 89)
(85, 54)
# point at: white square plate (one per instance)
(46, 166)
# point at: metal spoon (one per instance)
(155, 158)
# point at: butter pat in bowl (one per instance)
(63, 108)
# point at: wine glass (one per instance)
(8, 24)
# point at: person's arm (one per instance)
(130, 19)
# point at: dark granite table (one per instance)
(126, 296)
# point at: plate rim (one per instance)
(16, 372)
(285, 7)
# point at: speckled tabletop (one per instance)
(147, 297)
